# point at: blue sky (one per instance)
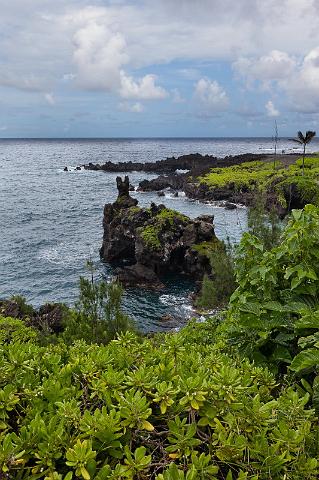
(158, 68)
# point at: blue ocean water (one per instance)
(51, 220)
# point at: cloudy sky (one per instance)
(98, 68)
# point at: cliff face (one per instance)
(153, 242)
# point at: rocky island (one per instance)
(148, 243)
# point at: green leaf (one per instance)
(229, 475)
(296, 214)
(250, 307)
(309, 321)
(306, 359)
(281, 353)
(275, 306)
(85, 474)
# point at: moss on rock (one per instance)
(165, 220)
(207, 248)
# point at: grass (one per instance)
(262, 177)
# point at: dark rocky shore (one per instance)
(150, 243)
(180, 174)
(47, 318)
(193, 162)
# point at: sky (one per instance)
(164, 68)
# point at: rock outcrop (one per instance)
(194, 162)
(147, 244)
(48, 318)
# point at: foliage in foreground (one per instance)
(168, 408)
(274, 315)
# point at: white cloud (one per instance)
(49, 97)
(99, 56)
(134, 108)
(302, 88)
(68, 77)
(274, 66)
(47, 45)
(211, 95)
(3, 128)
(271, 109)
(297, 79)
(143, 89)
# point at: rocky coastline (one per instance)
(181, 174)
(145, 244)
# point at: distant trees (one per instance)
(304, 140)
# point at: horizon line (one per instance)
(142, 138)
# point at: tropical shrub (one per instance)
(98, 316)
(217, 288)
(265, 225)
(165, 408)
(273, 316)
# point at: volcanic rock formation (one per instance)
(149, 243)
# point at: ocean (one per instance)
(51, 220)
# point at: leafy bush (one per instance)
(274, 311)
(164, 408)
(98, 317)
(13, 330)
(216, 290)
(263, 224)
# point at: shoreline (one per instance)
(182, 174)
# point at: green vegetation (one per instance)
(169, 407)
(98, 316)
(132, 211)
(150, 237)
(208, 248)
(160, 223)
(247, 176)
(262, 178)
(274, 313)
(266, 226)
(304, 140)
(232, 398)
(217, 288)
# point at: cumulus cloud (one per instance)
(100, 55)
(143, 89)
(104, 46)
(271, 109)
(302, 88)
(274, 66)
(211, 95)
(134, 108)
(297, 78)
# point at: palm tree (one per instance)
(304, 140)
